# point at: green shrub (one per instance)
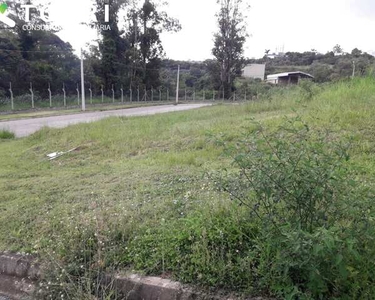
(316, 222)
(293, 176)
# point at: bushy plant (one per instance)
(314, 235)
(293, 176)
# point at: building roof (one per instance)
(275, 76)
(249, 65)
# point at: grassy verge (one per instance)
(48, 112)
(134, 195)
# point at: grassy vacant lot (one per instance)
(135, 195)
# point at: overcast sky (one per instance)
(294, 25)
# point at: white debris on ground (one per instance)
(55, 155)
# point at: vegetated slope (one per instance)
(136, 194)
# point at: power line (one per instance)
(37, 51)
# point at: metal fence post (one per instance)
(64, 92)
(102, 93)
(113, 94)
(178, 85)
(50, 95)
(159, 95)
(32, 95)
(138, 94)
(11, 96)
(131, 95)
(78, 94)
(90, 90)
(122, 94)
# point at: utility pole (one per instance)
(178, 84)
(83, 84)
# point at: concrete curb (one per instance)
(22, 272)
(18, 275)
(20, 266)
(135, 287)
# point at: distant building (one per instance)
(275, 55)
(255, 71)
(288, 78)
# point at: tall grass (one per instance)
(6, 135)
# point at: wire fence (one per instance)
(58, 86)
(68, 97)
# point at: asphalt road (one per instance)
(25, 127)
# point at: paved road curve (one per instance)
(25, 127)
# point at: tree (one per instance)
(229, 43)
(321, 72)
(356, 52)
(112, 45)
(146, 25)
(40, 57)
(338, 50)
